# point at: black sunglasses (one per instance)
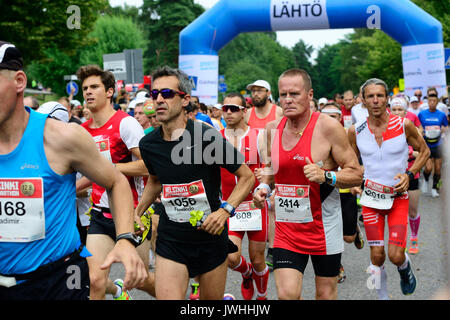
(232, 107)
(166, 93)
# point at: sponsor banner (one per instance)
(203, 71)
(423, 67)
(298, 15)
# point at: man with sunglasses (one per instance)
(434, 123)
(305, 149)
(250, 220)
(184, 158)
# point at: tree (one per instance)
(35, 25)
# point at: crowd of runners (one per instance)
(157, 178)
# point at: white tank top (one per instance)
(381, 164)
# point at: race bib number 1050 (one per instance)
(22, 216)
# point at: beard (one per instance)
(259, 102)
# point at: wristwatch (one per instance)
(330, 177)
(410, 174)
(134, 239)
(229, 208)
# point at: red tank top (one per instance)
(255, 122)
(315, 237)
(248, 146)
(111, 146)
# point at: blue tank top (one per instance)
(28, 160)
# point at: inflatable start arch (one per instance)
(419, 34)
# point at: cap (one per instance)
(413, 99)
(149, 108)
(217, 106)
(259, 83)
(10, 57)
(398, 102)
(323, 100)
(75, 103)
(55, 110)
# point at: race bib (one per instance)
(180, 199)
(377, 196)
(292, 203)
(432, 132)
(22, 216)
(247, 218)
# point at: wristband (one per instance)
(263, 186)
(333, 183)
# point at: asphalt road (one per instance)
(428, 266)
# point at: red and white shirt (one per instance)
(114, 140)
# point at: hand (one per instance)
(138, 221)
(403, 184)
(259, 198)
(215, 222)
(259, 174)
(313, 172)
(355, 190)
(135, 271)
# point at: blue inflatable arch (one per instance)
(418, 32)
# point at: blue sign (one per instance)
(223, 87)
(72, 85)
(193, 80)
(447, 58)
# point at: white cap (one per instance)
(76, 103)
(217, 106)
(142, 95)
(55, 110)
(399, 102)
(323, 100)
(259, 83)
(413, 99)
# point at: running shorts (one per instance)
(397, 216)
(324, 265)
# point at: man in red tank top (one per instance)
(263, 110)
(305, 148)
(117, 136)
(248, 219)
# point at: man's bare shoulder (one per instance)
(64, 136)
(273, 124)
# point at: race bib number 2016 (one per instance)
(22, 216)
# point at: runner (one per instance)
(184, 158)
(346, 109)
(307, 148)
(382, 141)
(352, 232)
(398, 108)
(117, 136)
(248, 219)
(40, 247)
(435, 124)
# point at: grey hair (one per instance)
(375, 81)
(184, 83)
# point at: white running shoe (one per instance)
(434, 193)
(424, 186)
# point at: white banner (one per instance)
(424, 67)
(298, 15)
(203, 70)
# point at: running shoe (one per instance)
(359, 239)
(341, 276)
(434, 193)
(247, 288)
(261, 297)
(195, 291)
(125, 295)
(424, 186)
(414, 248)
(407, 280)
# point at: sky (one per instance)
(315, 38)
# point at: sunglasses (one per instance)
(433, 95)
(418, 95)
(166, 93)
(232, 107)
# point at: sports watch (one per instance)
(410, 174)
(330, 177)
(134, 239)
(229, 208)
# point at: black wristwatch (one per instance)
(410, 175)
(229, 208)
(134, 239)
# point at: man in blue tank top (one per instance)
(41, 256)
